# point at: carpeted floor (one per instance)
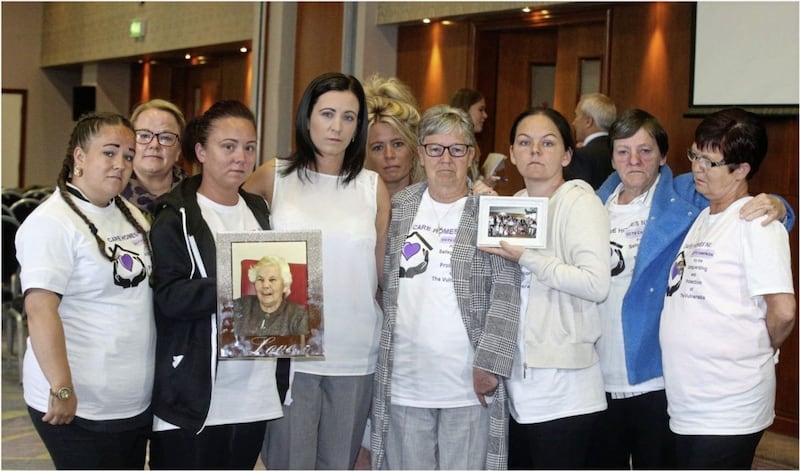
(22, 448)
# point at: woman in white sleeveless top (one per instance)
(323, 186)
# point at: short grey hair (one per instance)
(601, 109)
(445, 119)
(273, 261)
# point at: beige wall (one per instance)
(79, 32)
(49, 117)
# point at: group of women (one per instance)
(467, 357)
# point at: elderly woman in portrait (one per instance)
(450, 318)
(729, 305)
(268, 312)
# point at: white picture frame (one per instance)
(516, 220)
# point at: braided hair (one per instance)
(85, 130)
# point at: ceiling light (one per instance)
(526, 9)
(447, 22)
(187, 56)
(426, 20)
(242, 49)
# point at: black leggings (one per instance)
(557, 444)
(716, 451)
(72, 446)
(232, 446)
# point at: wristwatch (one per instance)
(63, 393)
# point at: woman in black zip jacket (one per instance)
(208, 414)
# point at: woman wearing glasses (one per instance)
(649, 214)
(450, 318)
(729, 306)
(158, 124)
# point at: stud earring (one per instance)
(78, 172)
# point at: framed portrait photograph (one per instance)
(519, 221)
(269, 291)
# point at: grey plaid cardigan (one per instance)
(488, 291)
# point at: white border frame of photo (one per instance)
(530, 209)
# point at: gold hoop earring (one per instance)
(78, 172)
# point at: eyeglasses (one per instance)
(455, 150)
(705, 162)
(166, 139)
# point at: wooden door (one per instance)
(560, 47)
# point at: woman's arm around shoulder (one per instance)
(262, 181)
(773, 206)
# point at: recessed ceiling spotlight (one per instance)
(526, 9)
(426, 20)
(447, 22)
(242, 49)
(187, 56)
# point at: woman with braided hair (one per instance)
(86, 261)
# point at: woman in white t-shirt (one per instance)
(209, 414)
(556, 385)
(729, 305)
(323, 186)
(85, 269)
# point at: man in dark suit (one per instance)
(592, 160)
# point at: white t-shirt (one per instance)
(628, 222)
(346, 216)
(542, 394)
(719, 370)
(244, 390)
(432, 366)
(106, 308)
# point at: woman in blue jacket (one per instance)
(649, 214)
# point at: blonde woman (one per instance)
(393, 121)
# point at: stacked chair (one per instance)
(17, 205)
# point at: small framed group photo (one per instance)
(519, 221)
(269, 291)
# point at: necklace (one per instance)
(439, 219)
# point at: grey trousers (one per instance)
(324, 425)
(453, 438)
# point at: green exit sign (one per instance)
(137, 28)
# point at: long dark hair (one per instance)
(87, 127)
(304, 156)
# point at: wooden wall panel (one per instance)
(434, 60)
(650, 68)
(575, 42)
(651, 47)
(318, 43)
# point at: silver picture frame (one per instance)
(244, 329)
